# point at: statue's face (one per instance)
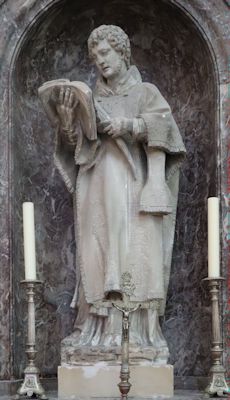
(108, 61)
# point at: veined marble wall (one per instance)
(169, 52)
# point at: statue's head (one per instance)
(109, 47)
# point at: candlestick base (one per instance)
(218, 385)
(31, 385)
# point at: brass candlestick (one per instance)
(217, 385)
(31, 384)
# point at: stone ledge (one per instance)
(101, 379)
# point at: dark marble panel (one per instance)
(169, 53)
(5, 254)
(225, 102)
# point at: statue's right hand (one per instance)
(66, 108)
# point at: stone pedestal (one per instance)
(101, 380)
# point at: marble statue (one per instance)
(118, 150)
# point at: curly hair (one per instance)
(116, 37)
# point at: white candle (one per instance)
(213, 238)
(29, 241)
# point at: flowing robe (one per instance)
(120, 224)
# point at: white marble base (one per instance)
(101, 379)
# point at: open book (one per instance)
(49, 95)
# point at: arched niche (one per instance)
(170, 51)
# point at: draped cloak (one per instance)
(120, 225)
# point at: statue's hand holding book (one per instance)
(66, 109)
(69, 106)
